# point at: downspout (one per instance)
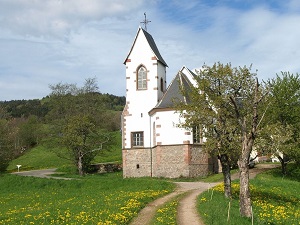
(150, 146)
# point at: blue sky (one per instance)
(45, 42)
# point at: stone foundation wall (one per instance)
(170, 161)
(167, 161)
(136, 162)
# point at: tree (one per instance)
(81, 139)
(283, 113)
(276, 139)
(80, 119)
(6, 144)
(208, 107)
(29, 131)
(226, 102)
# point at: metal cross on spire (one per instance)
(145, 22)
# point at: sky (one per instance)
(46, 42)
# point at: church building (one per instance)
(153, 144)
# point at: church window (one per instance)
(137, 139)
(197, 135)
(142, 78)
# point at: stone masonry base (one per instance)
(170, 161)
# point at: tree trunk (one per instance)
(226, 174)
(283, 165)
(79, 164)
(245, 200)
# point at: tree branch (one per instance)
(100, 148)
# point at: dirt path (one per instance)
(187, 206)
(187, 211)
(41, 173)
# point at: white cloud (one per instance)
(58, 17)
(49, 41)
(266, 38)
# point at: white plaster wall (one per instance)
(188, 74)
(135, 123)
(140, 102)
(167, 130)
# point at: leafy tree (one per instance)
(81, 139)
(8, 134)
(81, 119)
(283, 116)
(209, 108)
(227, 104)
(29, 131)
(276, 139)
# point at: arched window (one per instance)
(142, 78)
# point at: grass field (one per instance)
(44, 156)
(110, 199)
(93, 199)
(275, 200)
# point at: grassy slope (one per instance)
(38, 158)
(42, 157)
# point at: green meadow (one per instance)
(93, 199)
(110, 199)
(275, 200)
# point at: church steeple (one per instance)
(150, 43)
(145, 86)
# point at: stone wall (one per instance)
(106, 167)
(136, 162)
(170, 161)
(167, 161)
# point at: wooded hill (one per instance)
(40, 108)
(69, 118)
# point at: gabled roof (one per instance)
(174, 92)
(152, 45)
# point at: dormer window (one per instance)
(142, 78)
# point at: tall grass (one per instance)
(93, 199)
(275, 200)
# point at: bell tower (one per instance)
(145, 86)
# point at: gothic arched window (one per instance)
(142, 78)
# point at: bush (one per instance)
(294, 171)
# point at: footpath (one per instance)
(187, 210)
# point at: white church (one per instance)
(153, 144)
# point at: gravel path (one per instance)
(41, 173)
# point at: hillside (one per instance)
(34, 132)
